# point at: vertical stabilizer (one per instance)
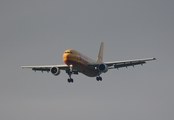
(100, 54)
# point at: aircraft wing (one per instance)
(46, 67)
(127, 63)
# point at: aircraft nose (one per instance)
(65, 57)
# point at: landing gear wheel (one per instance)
(70, 80)
(99, 78)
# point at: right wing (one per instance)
(127, 63)
(46, 67)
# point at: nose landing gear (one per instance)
(69, 72)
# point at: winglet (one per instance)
(100, 54)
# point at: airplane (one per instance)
(76, 62)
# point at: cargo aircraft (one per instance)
(76, 62)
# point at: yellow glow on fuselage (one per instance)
(79, 62)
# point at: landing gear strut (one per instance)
(98, 78)
(69, 72)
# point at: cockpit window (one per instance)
(69, 52)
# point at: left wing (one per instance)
(46, 67)
(127, 63)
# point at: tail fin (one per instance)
(100, 54)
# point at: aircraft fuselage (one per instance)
(79, 62)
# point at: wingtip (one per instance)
(23, 67)
(154, 59)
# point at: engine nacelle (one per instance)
(103, 68)
(55, 71)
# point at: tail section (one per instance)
(100, 54)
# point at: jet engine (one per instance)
(55, 71)
(103, 67)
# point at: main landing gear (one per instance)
(98, 78)
(70, 80)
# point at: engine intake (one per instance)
(103, 68)
(55, 71)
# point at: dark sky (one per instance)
(37, 32)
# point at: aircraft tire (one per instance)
(70, 80)
(100, 78)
